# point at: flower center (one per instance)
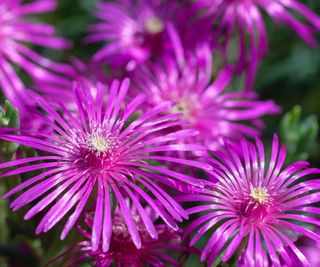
(259, 194)
(189, 107)
(120, 230)
(122, 248)
(98, 143)
(154, 25)
(98, 151)
(181, 107)
(121, 239)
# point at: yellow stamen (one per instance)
(99, 143)
(259, 194)
(154, 25)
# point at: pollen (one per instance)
(189, 107)
(259, 194)
(154, 25)
(98, 143)
(181, 107)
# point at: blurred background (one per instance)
(290, 75)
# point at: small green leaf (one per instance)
(299, 134)
(4, 233)
(9, 118)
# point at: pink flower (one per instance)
(101, 146)
(255, 206)
(210, 107)
(134, 30)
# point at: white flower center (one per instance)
(99, 143)
(182, 107)
(154, 25)
(189, 107)
(259, 194)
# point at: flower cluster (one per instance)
(150, 148)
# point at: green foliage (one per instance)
(299, 135)
(9, 118)
(4, 234)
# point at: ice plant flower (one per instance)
(245, 17)
(123, 252)
(133, 30)
(210, 107)
(101, 146)
(17, 30)
(255, 206)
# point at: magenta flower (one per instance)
(255, 206)
(245, 17)
(123, 252)
(209, 107)
(133, 30)
(101, 146)
(16, 30)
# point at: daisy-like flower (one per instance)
(16, 29)
(210, 107)
(102, 147)
(256, 207)
(133, 30)
(245, 17)
(167, 249)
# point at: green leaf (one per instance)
(9, 117)
(299, 135)
(4, 233)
